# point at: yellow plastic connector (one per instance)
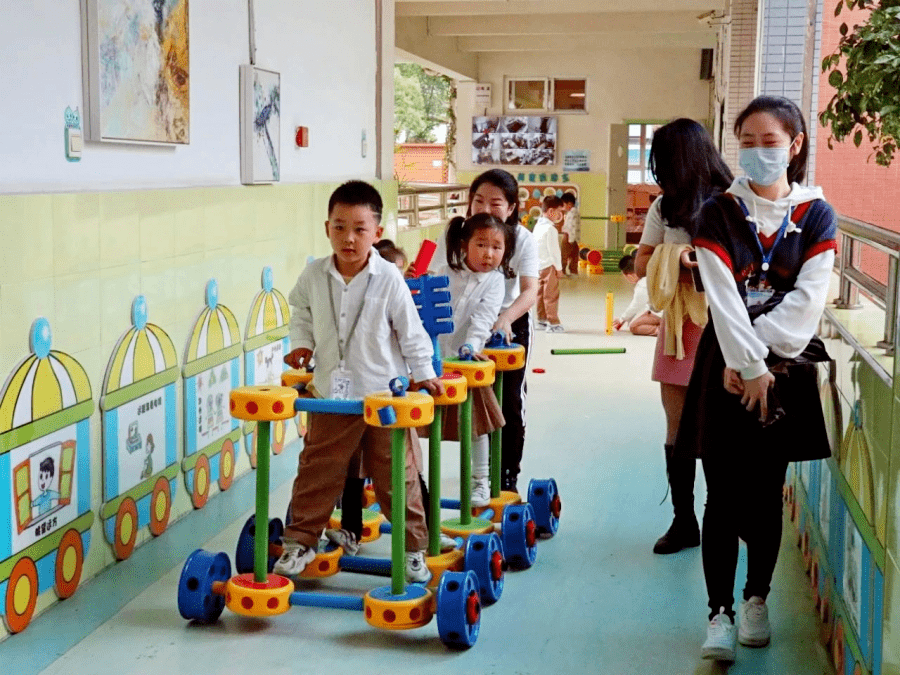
(263, 403)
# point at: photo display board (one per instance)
(518, 140)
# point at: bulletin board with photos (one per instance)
(519, 140)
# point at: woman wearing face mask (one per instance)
(765, 250)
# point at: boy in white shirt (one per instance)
(546, 233)
(639, 316)
(571, 230)
(354, 312)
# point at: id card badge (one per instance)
(759, 296)
(341, 384)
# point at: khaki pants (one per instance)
(548, 296)
(331, 442)
(569, 255)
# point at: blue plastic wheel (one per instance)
(458, 609)
(243, 555)
(519, 536)
(484, 557)
(543, 495)
(196, 600)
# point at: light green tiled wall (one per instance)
(80, 259)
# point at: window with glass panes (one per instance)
(639, 138)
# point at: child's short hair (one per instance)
(390, 251)
(460, 230)
(357, 193)
(550, 202)
(568, 198)
(626, 264)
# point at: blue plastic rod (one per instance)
(302, 599)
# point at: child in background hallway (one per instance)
(546, 233)
(354, 313)
(572, 230)
(476, 248)
(392, 253)
(766, 252)
(640, 318)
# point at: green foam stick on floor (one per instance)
(602, 350)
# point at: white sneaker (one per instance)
(541, 324)
(754, 629)
(294, 558)
(417, 571)
(481, 491)
(448, 543)
(345, 539)
(720, 638)
(555, 328)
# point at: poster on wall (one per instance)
(853, 569)
(514, 140)
(137, 67)
(577, 160)
(260, 93)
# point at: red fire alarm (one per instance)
(302, 137)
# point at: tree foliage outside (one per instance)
(865, 72)
(421, 103)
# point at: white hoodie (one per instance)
(787, 329)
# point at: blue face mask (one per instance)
(764, 166)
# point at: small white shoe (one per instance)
(448, 543)
(294, 558)
(481, 491)
(345, 539)
(541, 324)
(754, 629)
(721, 638)
(417, 571)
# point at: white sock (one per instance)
(481, 448)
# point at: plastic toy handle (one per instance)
(423, 259)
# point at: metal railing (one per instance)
(424, 204)
(854, 235)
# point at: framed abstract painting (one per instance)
(137, 71)
(260, 125)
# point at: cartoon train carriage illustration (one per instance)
(45, 478)
(140, 445)
(211, 371)
(266, 342)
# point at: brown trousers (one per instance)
(331, 442)
(548, 296)
(569, 255)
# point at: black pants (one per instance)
(514, 392)
(744, 500)
(351, 504)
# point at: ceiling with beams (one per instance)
(480, 26)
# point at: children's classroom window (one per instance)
(640, 136)
(527, 94)
(569, 94)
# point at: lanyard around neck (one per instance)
(766, 256)
(337, 327)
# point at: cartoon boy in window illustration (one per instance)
(48, 499)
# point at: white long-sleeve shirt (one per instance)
(388, 341)
(572, 225)
(788, 328)
(640, 301)
(476, 298)
(547, 237)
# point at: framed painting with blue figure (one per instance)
(212, 367)
(140, 463)
(260, 123)
(266, 341)
(136, 59)
(45, 478)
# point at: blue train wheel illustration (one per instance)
(226, 465)
(69, 561)
(21, 595)
(201, 482)
(543, 495)
(279, 431)
(484, 556)
(126, 529)
(160, 506)
(458, 609)
(519, 535)
(197, 600)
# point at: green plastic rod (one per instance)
(465, 461)
(602, 350)
(434, 482)
(398, 511)
(495, 440)
(261, 536)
